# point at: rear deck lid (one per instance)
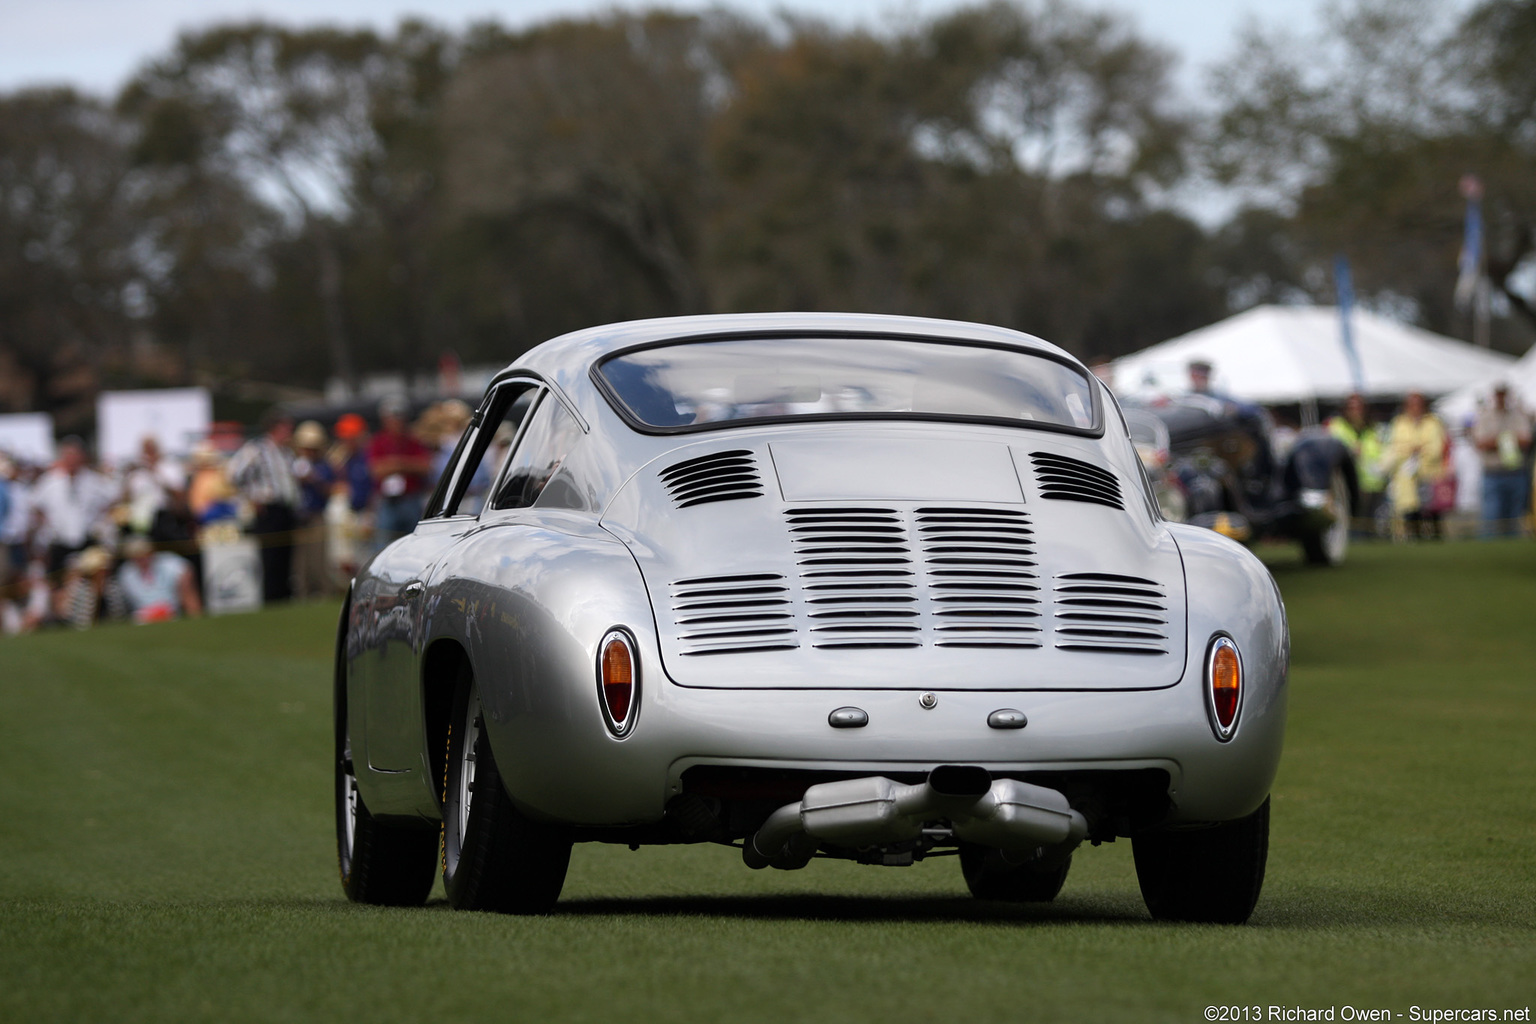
(868, 560)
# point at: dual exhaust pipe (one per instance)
(1015, 817)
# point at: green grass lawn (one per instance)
(166, 852)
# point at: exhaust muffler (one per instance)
(1005, 814)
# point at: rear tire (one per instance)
(382, 864)
(1022, 883)
(1211, 875)
(494, 857)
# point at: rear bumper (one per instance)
(584, 776)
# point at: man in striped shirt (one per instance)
(262, 470)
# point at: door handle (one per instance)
(413, 589)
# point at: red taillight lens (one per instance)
(1224, 681)
(616, 662)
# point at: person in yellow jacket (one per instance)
(1364, 439)
(1415, 462)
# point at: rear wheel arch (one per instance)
(444, 666)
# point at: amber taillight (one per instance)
(618, 681)
(1224, 686)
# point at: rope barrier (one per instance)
(1466, 528)
(188, 547)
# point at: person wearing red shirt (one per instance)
(399, 464)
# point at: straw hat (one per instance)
(428, 427)
(93, 559)
(205, 455)
(455, 415)
(309, 435)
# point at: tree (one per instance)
(67, 271)
(1363, 134)
(592, 129)
(993, 164)
(288, 113)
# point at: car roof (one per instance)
(565, 360)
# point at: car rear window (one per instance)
(696, 385)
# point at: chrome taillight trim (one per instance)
(1220, 640)
(620, 728)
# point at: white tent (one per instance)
(1275, 355)
(1462, 403)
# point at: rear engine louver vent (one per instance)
(723, 476)
(1069, 479)
(857, 576)
(980, 565)
(733, 614)
(1105, 612)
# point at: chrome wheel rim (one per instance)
(350, 820)
(1336, 540)
(349, 800)
(466, 787)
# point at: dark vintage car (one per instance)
(1222, 464)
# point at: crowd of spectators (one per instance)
(83, 541)
(1416, 469)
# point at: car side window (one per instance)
(481, 451)
(549, 437)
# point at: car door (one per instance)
(402, 578)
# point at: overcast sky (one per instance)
(96, 44)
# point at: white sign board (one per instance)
(27, 436)
(178, 418)
(232, 576)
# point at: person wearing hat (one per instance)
(316, 477)
(157, 585)
(209, 494)
(349, 460)
(453, 418)
(1502, 437)
(80, 598)
(1200, 376)
(399, 464)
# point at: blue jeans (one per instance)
(1503, 502)
(396, 517)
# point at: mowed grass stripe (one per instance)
(166, 852)
(142, 760)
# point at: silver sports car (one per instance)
(807, 585)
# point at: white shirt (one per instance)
(71, 506)
(149, 489)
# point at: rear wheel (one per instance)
(1211, 875)
(383, 864)
(494, 857)
(989, 877)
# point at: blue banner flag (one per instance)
(1471, 262)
